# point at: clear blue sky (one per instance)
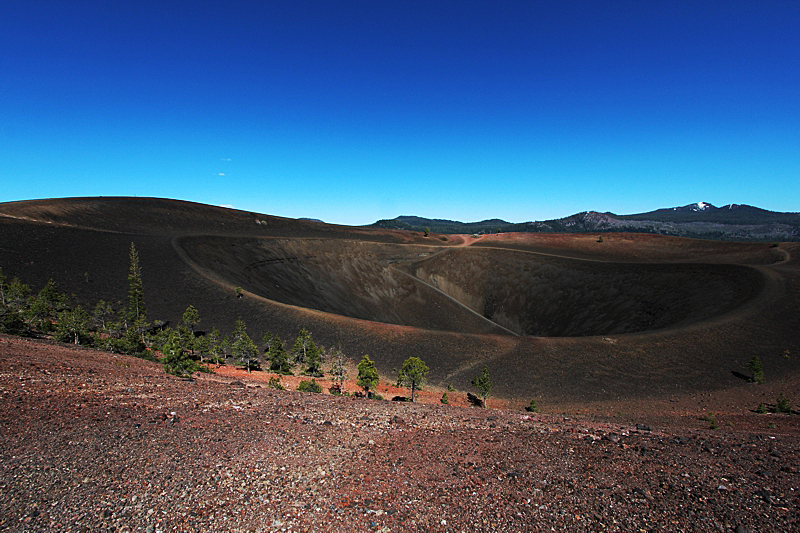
(352, 111)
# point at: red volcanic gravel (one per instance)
(98, 442)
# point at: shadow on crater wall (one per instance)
(475, 290)
(349, 278)
(550, 296)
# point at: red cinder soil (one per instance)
(99, 442)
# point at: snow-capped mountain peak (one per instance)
(699, 206)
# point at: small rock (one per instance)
(741, 529)
(764, 495)
(398, 421)
(643, 427)
(237, 384)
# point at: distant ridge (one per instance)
(442, 226)
(740, 222)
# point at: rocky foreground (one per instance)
(97, 442)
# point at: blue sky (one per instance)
(353, 111)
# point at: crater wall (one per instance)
(548, 296)
(475, 290)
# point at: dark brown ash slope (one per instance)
(648, 315)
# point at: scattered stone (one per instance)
(764, 495)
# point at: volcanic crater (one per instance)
(562, 318)
(484, 290)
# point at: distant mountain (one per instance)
(442, 226)
(699, 220)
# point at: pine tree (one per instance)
(413, 374)
(338, 371)
(301, 346)
(757, 369)
(73, 326)
(175, 358)
(483, 383)
(239, 328)
(102, 312)
(213, 341)
(3, 289)
(246, 351)
(279, 359)
(191, 317)
(305, 351)
(367, 375)
(11, 313)
(137, 314)
(44, 307)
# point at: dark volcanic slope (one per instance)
(638, 315)
(555, 297)
(349, 278)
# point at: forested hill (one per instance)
(700, 220)
(437, 225)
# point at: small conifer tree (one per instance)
(484, 384)
(413, 374)
(757, 370)
(367, 375)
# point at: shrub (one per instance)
(335, 389)
(533, 407)
(309, 386)
(761, 409)
(783, 405)
(712, 421)
(757, 370)
(275, 383)
(445, 400)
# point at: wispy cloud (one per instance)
(221, 173)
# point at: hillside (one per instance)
(100, 442)
(561, 318)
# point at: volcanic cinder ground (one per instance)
(628, 343)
